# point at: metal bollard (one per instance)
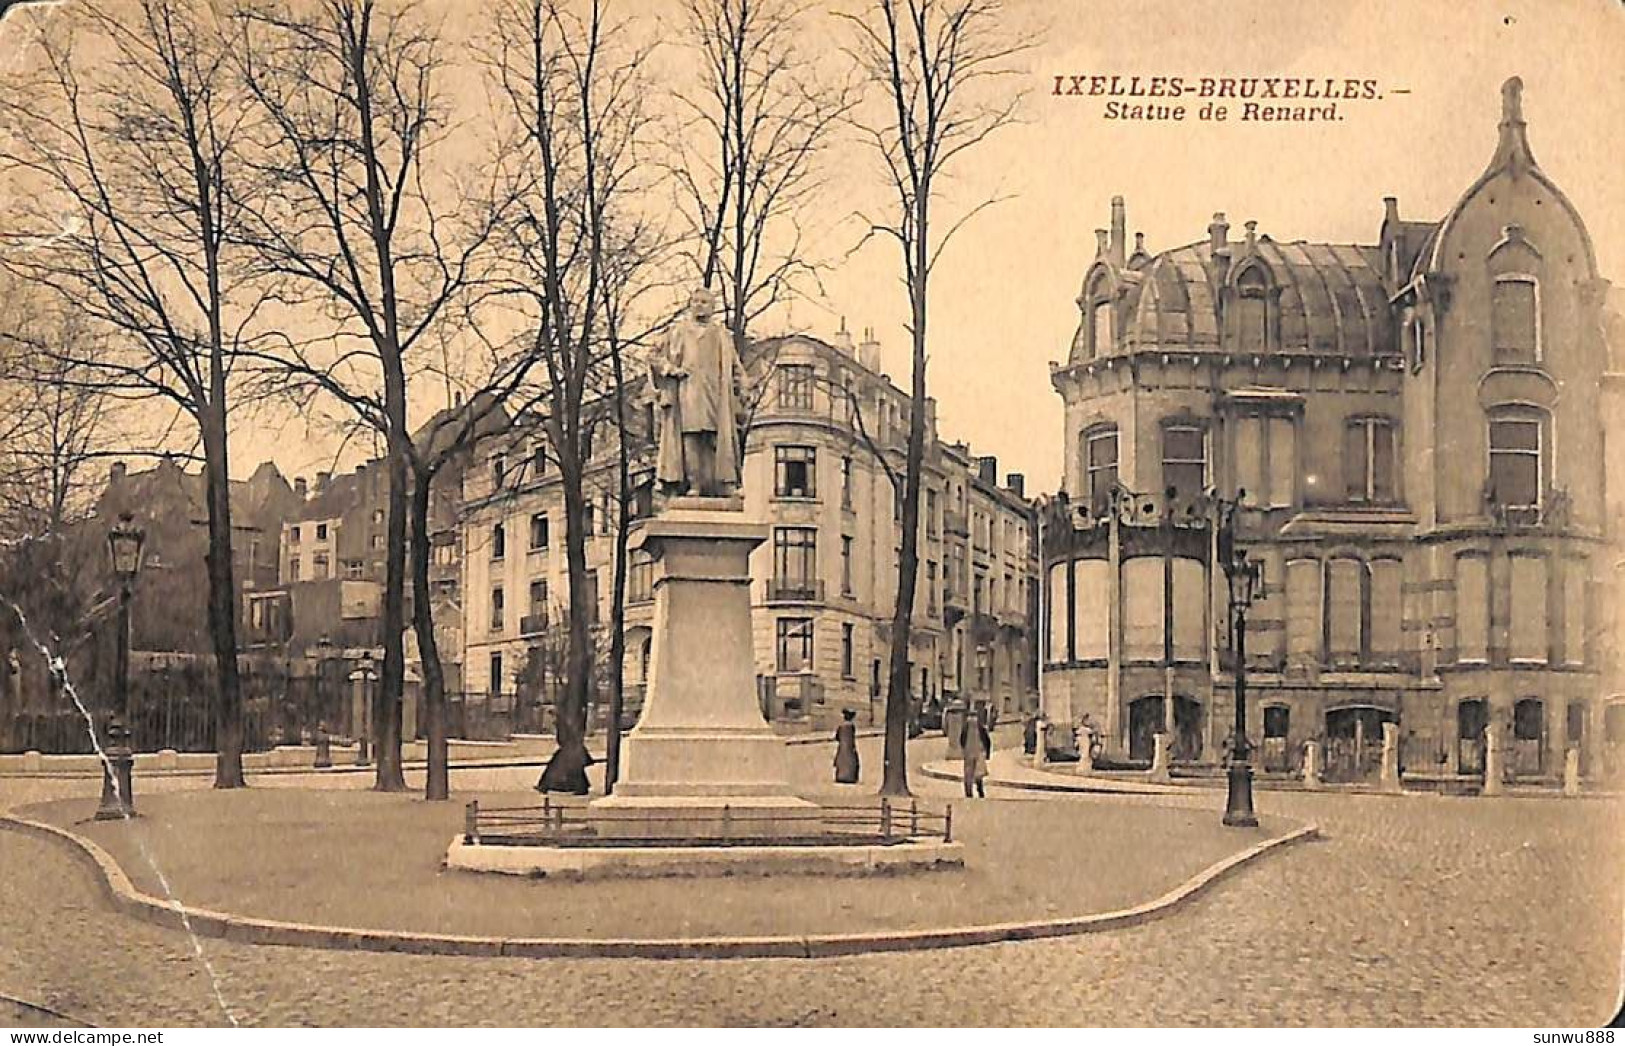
(948, 824)
(471, 822)
(885, 819)
(913, 817)
(727, 821)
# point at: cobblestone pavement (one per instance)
(1412, 911)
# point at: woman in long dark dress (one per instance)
(846, 749)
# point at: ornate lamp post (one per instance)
(124, 543)
(1244, 576)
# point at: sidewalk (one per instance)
(1011, 769)
(519, 750)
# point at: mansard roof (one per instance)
(1331, 298)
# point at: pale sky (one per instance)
(1002, 302)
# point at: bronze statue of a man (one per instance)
(696, 375)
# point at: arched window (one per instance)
(1515, 318)
(1102, 319)
(1517, 465)
(1252, 311)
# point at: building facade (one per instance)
(827, 433)
(1415, 430)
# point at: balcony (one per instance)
(533, 624)
(794, 590)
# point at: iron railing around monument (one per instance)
(578, 824)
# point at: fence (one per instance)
(562, 824)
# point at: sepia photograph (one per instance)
(912, 514)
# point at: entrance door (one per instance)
(1472, 717)
(1613, 738)
(1354, 741)
(1277, 720)
(1574, 733)
(1144, 723)
(1528, 736)
(1145, 720)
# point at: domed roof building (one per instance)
(1385, 420)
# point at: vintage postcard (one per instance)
(762, 513)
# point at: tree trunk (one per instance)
(567, 770)
(228, 709)
(437, 784)
(386, 711)
(898, 696)
(617, 624)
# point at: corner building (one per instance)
(1417, 425)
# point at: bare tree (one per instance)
(938, 61)
(490, 383)
(747, 170)
(351, 216)
(571, 87)
(53, 424)
(125, 147)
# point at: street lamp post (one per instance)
(1243, 576)
(124, 544)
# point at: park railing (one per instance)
(567, 824)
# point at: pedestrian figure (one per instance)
(975, 744)
(846, 749)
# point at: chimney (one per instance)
(843, 338)
(1102, 243)
(1139, 245)
(1016, 483)
(322, 479)
(1218, 233)
(117, 473)
(987, 469)
(1390, 208)
(869, 351)
(1252, 234)
(1119, 230)
(299, 488)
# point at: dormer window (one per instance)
(1102, 321)
(1515, 319)
(1251, 306)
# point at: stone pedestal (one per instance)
(1041, 745)
(1494, 761)
(1311, 764)
(1390, 757)
(1159, 758)
(1571, 772)
(702, 761)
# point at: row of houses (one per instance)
(825, 443)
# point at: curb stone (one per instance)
(127, 899)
